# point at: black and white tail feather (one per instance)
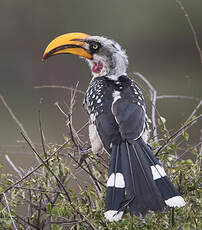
(138, 180)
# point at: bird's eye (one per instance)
(95, 46)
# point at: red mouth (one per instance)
(97, 67)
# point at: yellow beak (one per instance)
(71, 43)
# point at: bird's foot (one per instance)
(84, 154)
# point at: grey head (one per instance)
(109, 59)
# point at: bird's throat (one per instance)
(97, 67)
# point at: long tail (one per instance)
(138, 180)
(115, 193)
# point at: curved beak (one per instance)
(71, 43)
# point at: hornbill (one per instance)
(118, 123)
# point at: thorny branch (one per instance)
(36, 168)
(15, 118)
(59, 182)
(153, 97)
(192, 29)
(47, 167)
(9, 211)
(179, 132)
(177, 97)
(59, 87)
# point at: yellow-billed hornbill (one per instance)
(117, 123)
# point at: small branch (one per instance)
(177, 97)
(25, 222)
(15, 119)
(36, 168)
(13, 166)
(179, 132)
(195, 110)
(153, 97)
(172, 216)
(200, 149)
(43, 146)
(59, 182)
(59, 87)
(47, 167)
(42, 137)
(181, 155)
(9, 211)
(66, 222)
(191, 27)
(80, 165)
(39, 190)
(58, 106)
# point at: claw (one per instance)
(84, 154)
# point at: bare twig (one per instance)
(71, 107)
(179, 132)
(195, 110)
(24, 221)
(13, 166)
(69, 123)
(9, 211)
(47, 167)
(42, 137)
(153, 95)
(15, 119)
(59, 87)
(181, 155)
(66, 222)
(36, 168)
(177, 97)
(192, 28)
(59, 182)
(58, 106)
(200, 149)
(39, 190)
(172, 216)
(85, 169)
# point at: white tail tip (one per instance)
(113, 215)
(176, 201)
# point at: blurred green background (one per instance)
(155, 34)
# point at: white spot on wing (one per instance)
(157, 172)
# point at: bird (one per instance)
(118, 124)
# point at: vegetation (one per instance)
(67, 188)
(45, 198)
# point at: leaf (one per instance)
(163, 120)
(185, 135)
(49, 208)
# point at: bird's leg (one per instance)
(84, 153)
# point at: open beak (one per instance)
(71, 43)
